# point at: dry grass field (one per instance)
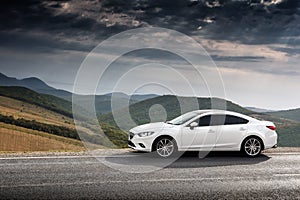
(18, 139)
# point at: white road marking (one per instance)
(283, 153)
(64, 157)
(288, 175)
(125, 181)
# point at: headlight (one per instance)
(145, 134)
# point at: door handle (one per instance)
(242, 129)
(211, 131)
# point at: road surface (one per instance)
(218, 176)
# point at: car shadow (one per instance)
(186, 160)
(213, 159)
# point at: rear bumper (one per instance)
(271, 140)
(275, 146)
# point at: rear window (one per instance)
(230, 119)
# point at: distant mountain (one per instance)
(259, 110)
(34, 84)
(103, 103)
(293, 114)
(135, 97)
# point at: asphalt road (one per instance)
(218, 176)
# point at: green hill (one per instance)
(293, 114)
(139, 112)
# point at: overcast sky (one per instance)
(254, 43)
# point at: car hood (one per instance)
(151, 127)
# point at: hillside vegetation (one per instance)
(21, 109)
(43, 100)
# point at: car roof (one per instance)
(216, 111)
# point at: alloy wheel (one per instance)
(252, 147)
(165, 147)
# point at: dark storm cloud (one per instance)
(38, 26)
(238, 58)
(248, 21)
(87, 22)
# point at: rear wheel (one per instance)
(165, 147)
(252, 146)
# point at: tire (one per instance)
(165, 147)
(252, 146)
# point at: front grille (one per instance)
(131, 135)
(130, 144)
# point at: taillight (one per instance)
(273, 128)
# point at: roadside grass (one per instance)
(18, 139)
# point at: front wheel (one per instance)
(252, 147)
(165, 147)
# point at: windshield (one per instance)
(183, 118)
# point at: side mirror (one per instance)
(193, 125)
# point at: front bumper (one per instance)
(140, 143)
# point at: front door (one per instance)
(202, 137)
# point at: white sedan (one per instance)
(205, 130)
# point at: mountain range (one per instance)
(102, 102)
(34, 84)
(259, 110)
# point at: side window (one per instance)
(205, 120)
(212, 120)
(216, 120)
(230, 120)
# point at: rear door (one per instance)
(231, 133)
